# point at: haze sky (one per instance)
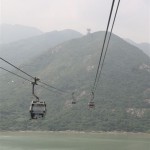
(132, 22)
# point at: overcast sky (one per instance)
(133, 19)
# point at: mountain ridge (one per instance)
(11, 33)
(145, 47)
(121, 97)
(23, 50)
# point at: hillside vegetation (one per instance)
(122, 98)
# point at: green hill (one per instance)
(122, 98)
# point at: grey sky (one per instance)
(133, 20)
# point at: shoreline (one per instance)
(79, 132)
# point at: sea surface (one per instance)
(70, 140)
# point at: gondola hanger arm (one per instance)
(33, 87)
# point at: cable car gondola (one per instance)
(73, 102)
(91, 103)
(73, 99)
(37, 109)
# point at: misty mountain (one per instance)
(122, 97)
(11, 33)
(23, 50)
(143, 46)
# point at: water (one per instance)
(73, 141)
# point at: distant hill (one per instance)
(122, 98)
(12, 33)
(143, 46)
(23, 50)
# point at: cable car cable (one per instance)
(28, 80)
(103, 45)
(107, 45)
(15, 74)
(57, 92)
(93, 89)
(16, 67)
(52, 87)
(31, 75)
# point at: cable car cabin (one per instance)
(73, 102)
(73, 98)
(37, 109)
(91, 104)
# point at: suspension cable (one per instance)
(57, 92)
(93, 89)
(107, 44)
(31, 75)
(28, 80)
(16, 67)
(53, 87)
(15, 74)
